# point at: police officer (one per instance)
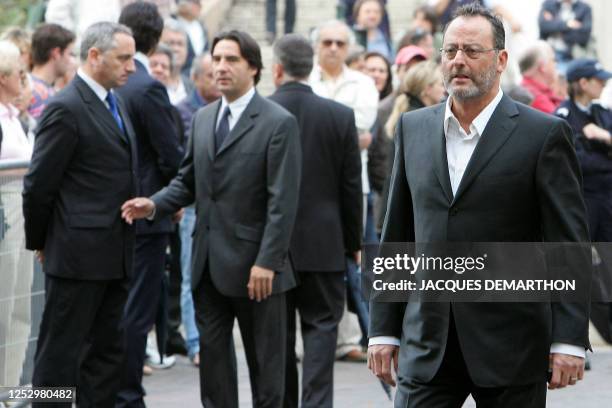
(592, 124)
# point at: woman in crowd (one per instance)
(368, 17)
(422, 86)
(15, 144)
(379, 69)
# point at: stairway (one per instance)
(249, 15)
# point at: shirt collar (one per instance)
(240, 103)
(8, 111)
(98, 89)
(143, 59)
(480, 122)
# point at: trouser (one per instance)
(271, 16)
(140, 312)
(263, 327)
(319, 300)
(80, 343)
(451, 386)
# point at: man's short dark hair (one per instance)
(146, 24)
(476, 10)
(295, 54)
(46, 38)
(249, 49)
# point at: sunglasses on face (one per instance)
(329, 43)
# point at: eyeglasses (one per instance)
(471, 52)
(329, 43)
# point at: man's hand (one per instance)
(260, 283)
(566, 370)
(40, 255)
(178, 216)
(365, 139)
(357, 257)
(574, 24)
(380, 357)
(594, 132)
(137, 208)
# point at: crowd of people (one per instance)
(164, 192)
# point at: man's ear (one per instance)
(55, 53)
(277, 72)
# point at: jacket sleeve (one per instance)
(386, 317)
(181, 190)
(580, 35)
(161, 129)
(550, 27)
(564, 220)
(351, 196)
(283, 173)
(56, 141)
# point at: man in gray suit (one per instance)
(242, 169)
(480, 168)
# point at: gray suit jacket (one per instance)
(245, 195)
(522, 184)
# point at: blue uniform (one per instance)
(595, 159)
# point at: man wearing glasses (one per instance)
(331, 78)
(480, 168)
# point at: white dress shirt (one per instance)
(236, 108)
(143, 59)
(196, 34)
(98, 89)
(459, 148)
(15, 143)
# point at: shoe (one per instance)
(355, 356)
(156, 362)
(146, 370)
(176, 348)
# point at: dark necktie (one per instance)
(223, 129)
(112, 105)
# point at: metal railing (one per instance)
(21, 284)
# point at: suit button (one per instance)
(454, 211)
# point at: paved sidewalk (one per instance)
(356, 388)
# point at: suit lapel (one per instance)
(245, 123)
(211, 122)
(99, 111)
(494, 136)
(439, 151)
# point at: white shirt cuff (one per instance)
(151, 217)
(570, 349)
(388, 340)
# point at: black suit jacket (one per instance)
(245, 195)
(83, 169)
(159, 150)
(329, 216)
(522, 184)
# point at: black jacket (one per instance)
(159, 151)
(83, 169)
(522, 184)
(328, 222)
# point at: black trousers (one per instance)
(263, 327)
(451, 386)
(80, 343)
(320, 301)
(175, 343)
(139, 314)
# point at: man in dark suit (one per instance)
(480, 168)
(159, 156)
(328, 223)
(83, 167)
(242, 169)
